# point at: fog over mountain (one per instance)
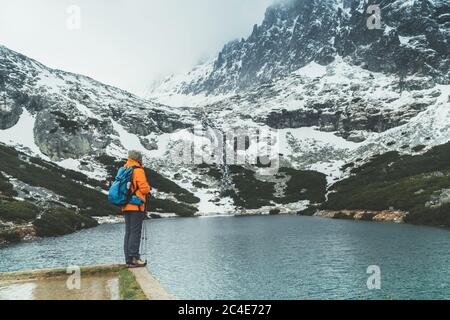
(128, 44)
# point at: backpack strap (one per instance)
(132, 182)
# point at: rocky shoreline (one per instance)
(395, 216)
(17, 234)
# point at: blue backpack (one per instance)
(119, 193)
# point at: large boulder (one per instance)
(9, 114)
(70, 135)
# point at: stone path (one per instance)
(151, 287)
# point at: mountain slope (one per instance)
(414, 39)
(75, 115)
(87, 127)
(339, 94)
(63, 127)
(417, 184)
(381, 89)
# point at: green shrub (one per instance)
(101, 213)
(60, 221)
(342, 215)
(199, 184)
(18, 211)
(314, 183)
(63, 182)
(401, 182)
(274, 212)
(6, 188)
(347, 166)
(392, 166)
(111, 165)
(308, 212)
(168, 206)
(427, 216)
(70, 174)
(251, 193)
(187, 198)
(418, 148)
(163, 184)
(402, 194)
(9, 236)
(215, 173)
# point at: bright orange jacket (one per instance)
(139, 184)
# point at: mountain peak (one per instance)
(413, 39)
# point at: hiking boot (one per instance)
(137, 263)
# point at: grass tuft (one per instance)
(128, 286)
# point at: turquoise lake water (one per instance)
(278, 257)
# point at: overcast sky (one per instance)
(126, 43)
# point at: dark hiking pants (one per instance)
(133, 230)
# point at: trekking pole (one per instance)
(144, 241)
(144, 231)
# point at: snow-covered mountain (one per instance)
(412, 39)
(335, 92)
(317, 64)
(86, 126)
(74, 115)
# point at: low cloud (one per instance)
(129, 44)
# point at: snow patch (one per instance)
(312, 70)
(128, 140)
(22, 134)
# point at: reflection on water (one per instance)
(103, 287)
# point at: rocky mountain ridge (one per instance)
(413, 39)
(75, 115)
